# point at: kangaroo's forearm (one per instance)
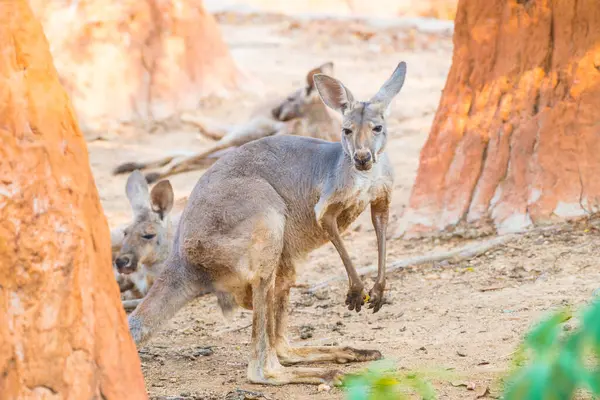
(380, 217)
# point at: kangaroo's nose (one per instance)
(276, 112)
(362, 157)
(122, 262)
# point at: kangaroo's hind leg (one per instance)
(286, 277)
(264, 256)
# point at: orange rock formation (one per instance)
(516, 136)
(135, 60)
(63, 332)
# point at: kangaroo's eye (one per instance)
(346, 131)
(378, 129)
(150, 236)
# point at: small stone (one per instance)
(306, 332)
(241, 394)
(323, 388)
(322, 294)
(202, 352)
(306, 301)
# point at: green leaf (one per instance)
(542, 338)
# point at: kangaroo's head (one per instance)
(298, 103)
(364, 129)
(146, 239)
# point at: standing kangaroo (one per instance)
(260, 210)
(301, 113)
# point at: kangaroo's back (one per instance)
(294, 167)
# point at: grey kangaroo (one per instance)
(301, 113)
(141, 247)
(257, 212)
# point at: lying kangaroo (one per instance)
(259, 210)
(302, 113)
(144, 244)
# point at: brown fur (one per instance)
(302, 113)
(261, 209)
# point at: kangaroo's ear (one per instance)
(326, 68)
(391, 87)
(136, 190)
(162, 198)
(333, 93)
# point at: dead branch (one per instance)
(234, 329)
(461, 254)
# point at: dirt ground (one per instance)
(465, 318)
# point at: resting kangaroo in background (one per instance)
(145, 243)
(260, 210)
(303, 111)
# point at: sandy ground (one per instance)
(464, 318)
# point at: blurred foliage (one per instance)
(381, 381)
(552, 363)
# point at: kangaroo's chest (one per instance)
(360, 195)
(343, 200)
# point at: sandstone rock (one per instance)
(63, 333)
(129, 60)
(515, 139)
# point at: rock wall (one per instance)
(516, 136)
(63, 332)
(130, 60)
